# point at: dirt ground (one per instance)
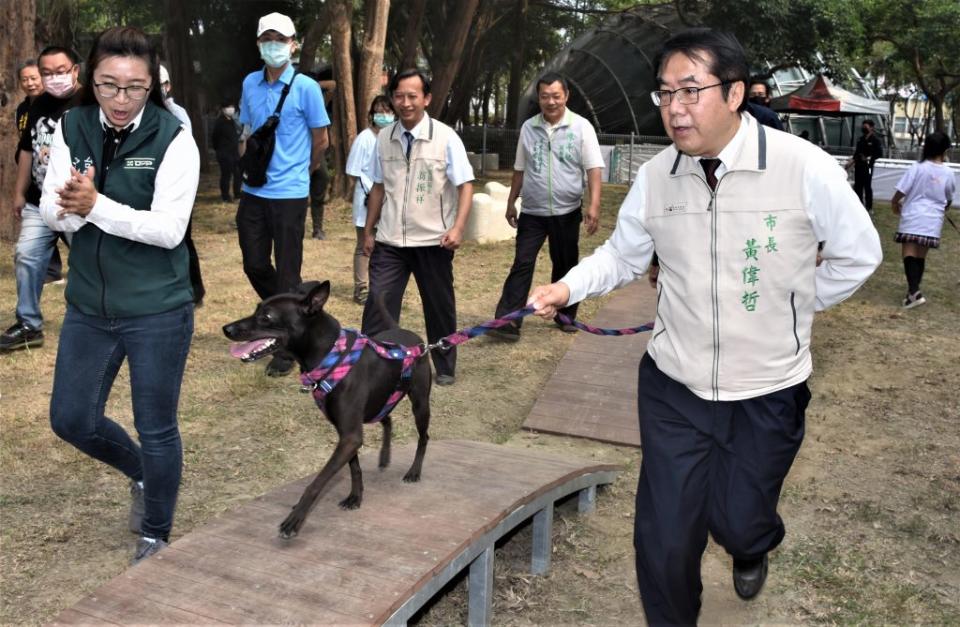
(871, 506)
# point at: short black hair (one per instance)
(759, 80)
(380, 101)
(124, 41)
(25, 65)
(409, 73)
(549, 78)
(935, 144)
(51, 50)
(718, 50)
(870, 123)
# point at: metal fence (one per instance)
(496, 148)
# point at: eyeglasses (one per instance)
(684, 95)
(45, 74)
(133, 92)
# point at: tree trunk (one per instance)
(55, 24)
(448, 53)
(345, 115)
(411, 35)
(182, 78)
(311, 42)
(517, 63)
(16, 37)
(371, 60)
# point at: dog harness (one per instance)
(336, 365)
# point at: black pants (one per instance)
(563, 237)
(229, 170)
(863, 184)
(707, 467)
(432, 268)
(196, 280)
(263, 223)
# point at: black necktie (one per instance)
(710, 169)
(409, 137)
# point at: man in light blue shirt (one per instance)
(275, 213)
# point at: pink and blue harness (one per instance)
(346, 351)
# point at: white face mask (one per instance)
(275, 53)
(229, 111)
(59, 85)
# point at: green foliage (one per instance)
(808, 33)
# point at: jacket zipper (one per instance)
(714, 280)
(793, 308)
(406, 197)
(443, 220)
(550, 171)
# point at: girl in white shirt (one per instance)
(921, 200)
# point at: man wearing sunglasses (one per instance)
(736, 211)
(59, 72)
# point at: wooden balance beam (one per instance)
(376, 565)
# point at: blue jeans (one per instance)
(34, 249)
(91, 351)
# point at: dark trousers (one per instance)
(707, 467)
(563, 238)
(91, 351)
(229, 171)
(196, 280)
(432, 268)
(265, 223)
(863, 184)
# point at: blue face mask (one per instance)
(275, 53)
(382, 119)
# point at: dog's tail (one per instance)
(380, 302)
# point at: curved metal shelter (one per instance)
(610, 69)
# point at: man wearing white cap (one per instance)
(274, 213)
(178, 112)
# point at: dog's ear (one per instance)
(317, 298)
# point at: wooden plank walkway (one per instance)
(375, 565)
(593, 392)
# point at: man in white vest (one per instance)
(557, 148)
(416, 213)
(736, 211)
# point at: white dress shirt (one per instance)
(174, 193)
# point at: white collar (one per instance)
(132, 126)
(732, 149)
(415, 131)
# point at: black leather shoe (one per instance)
(279, 366)
(445, 379)
(749, 577)
(508, 333)
(20, 336)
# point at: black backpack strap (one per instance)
(283, 94)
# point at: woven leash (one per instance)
(471, 332)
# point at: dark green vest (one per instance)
(111, 276)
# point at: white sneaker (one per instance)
(914, 300)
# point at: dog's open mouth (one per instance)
(252, 351)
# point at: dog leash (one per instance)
(335, 366)
(471, 332)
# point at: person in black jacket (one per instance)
(226, 142)
(759, 104)
(869, 149)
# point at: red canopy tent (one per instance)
(820, 96)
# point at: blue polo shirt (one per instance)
(289, 173)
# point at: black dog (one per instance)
(297, 325)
